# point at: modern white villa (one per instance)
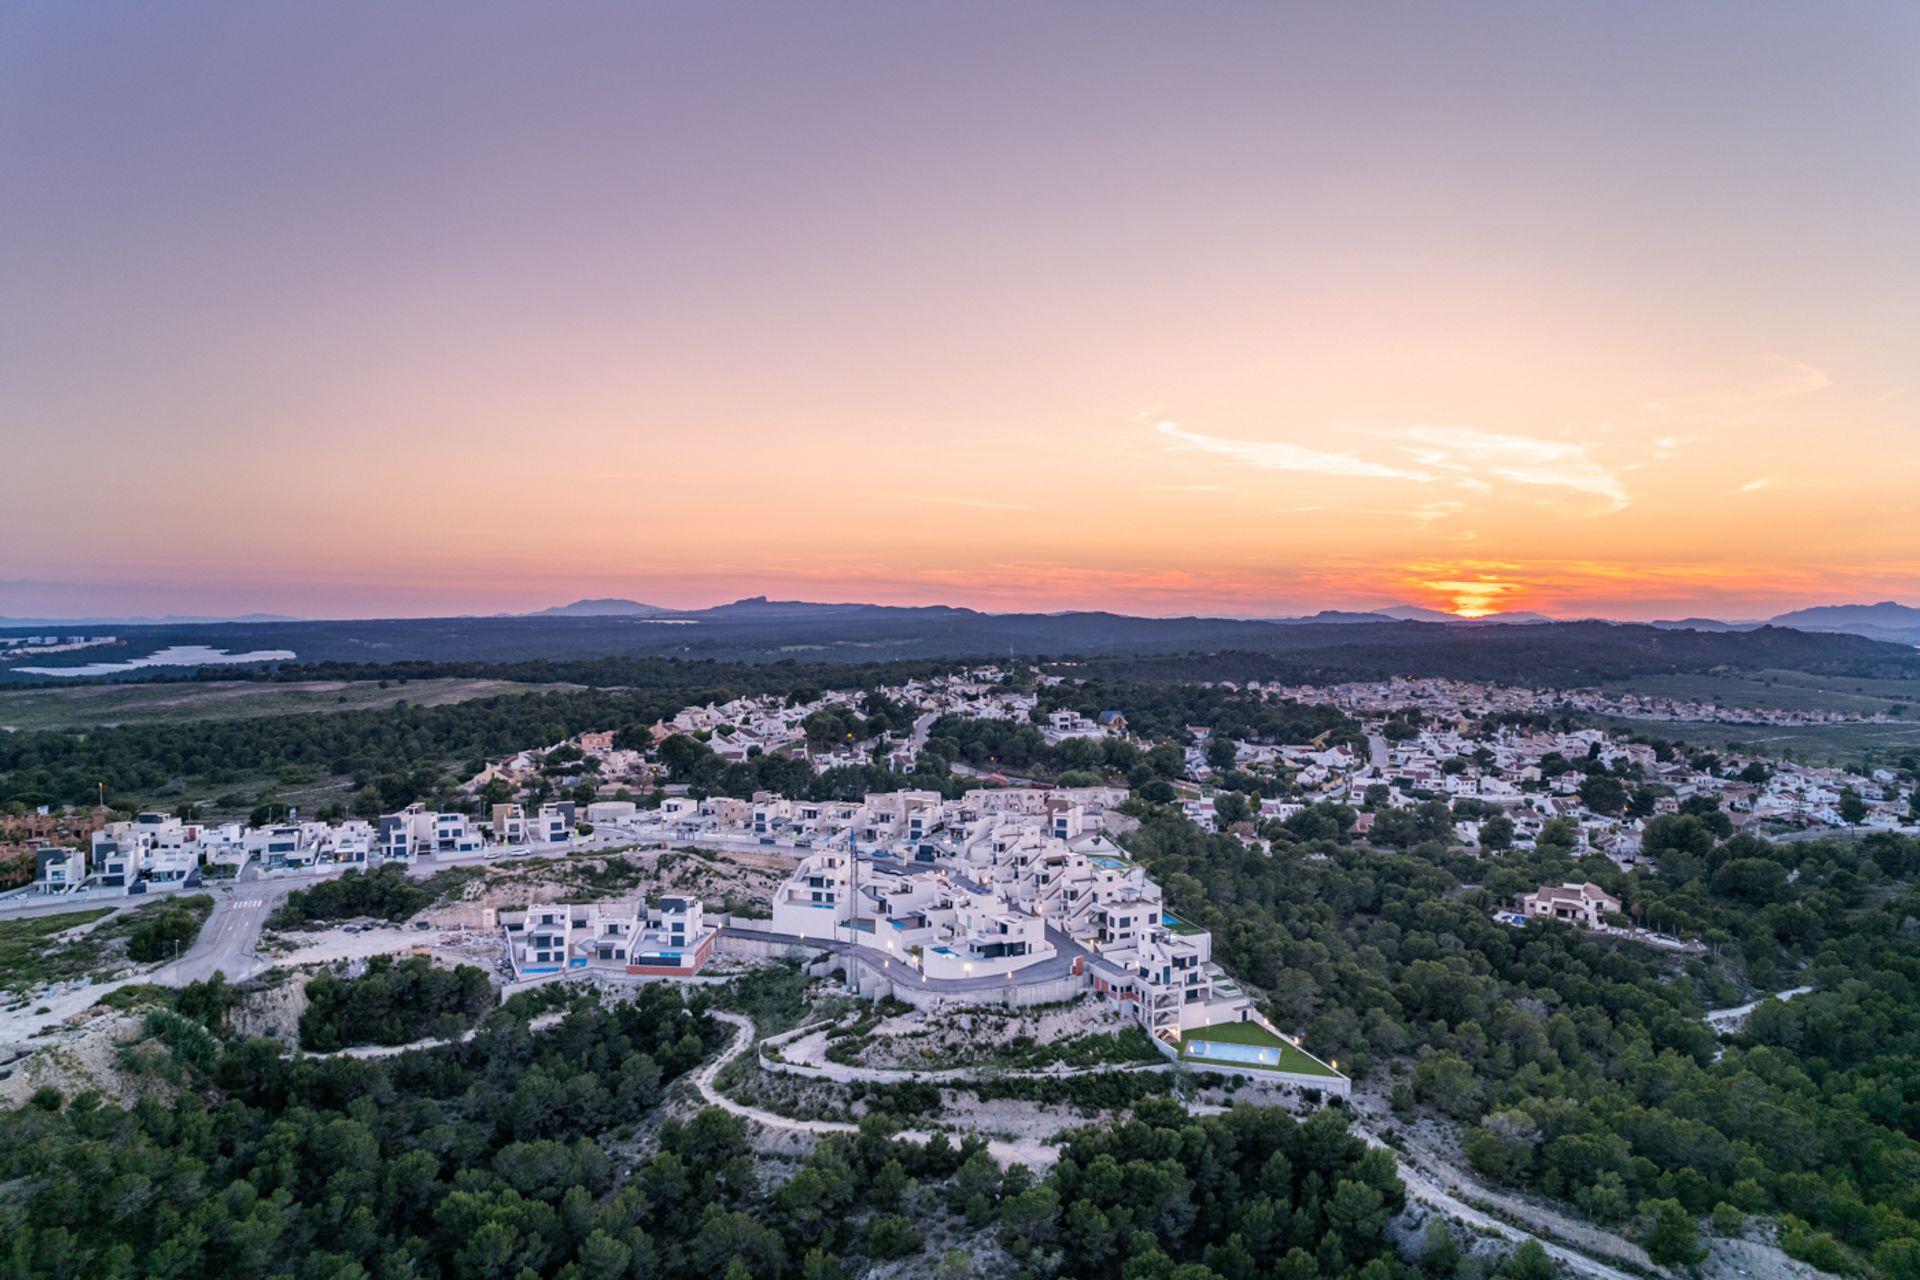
(669, 939)
(1013, 887)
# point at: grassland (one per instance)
(27, 956)
(1784, 691)
(94, 706)
(30, 958)
(1830, 744)
(1780, 690)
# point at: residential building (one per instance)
(1584, 905)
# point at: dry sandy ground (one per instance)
(962, 1037)
(325, 946)
(713, 877)
(77, 1058)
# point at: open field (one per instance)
(1779, 690)
(1815, 743)
(102, 705)
(25, 945)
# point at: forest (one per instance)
(1580, 1066)
(1556, 653)
(393, 1002)
(519, 1155)
(400, 750)
(385, 893)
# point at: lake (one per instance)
(180, 655)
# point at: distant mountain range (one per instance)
(606, 608)
(1332, 646)
(1886, 621)
(1889, 621)
(1419, 613)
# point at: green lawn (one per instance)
(1292, 1059)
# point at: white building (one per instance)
(1579, 904)
(670, 939)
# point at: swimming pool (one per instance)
(1223, 1051)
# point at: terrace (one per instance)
(1249, 1044)
(1178, 925)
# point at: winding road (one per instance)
(1728, 1019)
(1421, 1185)
(1035, 1155)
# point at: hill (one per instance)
(1551, 653)
(1888, 620)
(608, 608)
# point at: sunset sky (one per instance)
(393, 309)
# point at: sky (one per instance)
(362, 309)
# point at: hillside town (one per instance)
(1482, 765)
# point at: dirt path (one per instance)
(1434, 1183)
(540, 1023)
(803, 1053)
(1584, 1248)
(1728, 1019)
(1035, 1155)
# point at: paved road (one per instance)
(1727, 1019)
(1377, 749)
(228, 940)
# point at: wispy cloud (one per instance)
(1477, 455)
(1194, 488)
(1276, 455)
(1755, 486)
(1716, 407)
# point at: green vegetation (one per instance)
(393, 1003)
(206, 1002)
(389, 756)
(1817, 743)
(1284, 1198)
(1581, 1066)
(91, 706)
(774, 996)
(25, 961)
(1127, 1047)
(1091, 1094)
(495, 1158)
(1778, 690)
(1154, 711)
(163, 930)
(1291, 1057)
(603, 873)
(150, 932)
(472, 1161)
(386, 893)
